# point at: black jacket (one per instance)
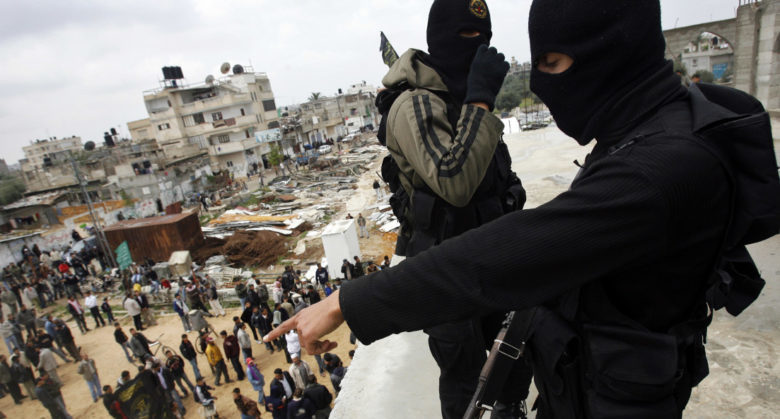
(318, 394)
(187, 350)
(644, 221)
(119, 336)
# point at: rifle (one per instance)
(508, 347)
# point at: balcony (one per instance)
(221, 126)
(215, 103)
(233, 147)
(224, 123)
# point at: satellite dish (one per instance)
(238, 69)
(209, 79)
(89, 145)
(224, 68)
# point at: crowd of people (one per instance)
(45, 281)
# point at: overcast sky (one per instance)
(79, 67)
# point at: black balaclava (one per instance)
(449, 53)
(617, 47)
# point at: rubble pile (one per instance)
(244, 248)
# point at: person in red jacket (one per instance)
(233, 352)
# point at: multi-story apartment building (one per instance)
(46, 164)
(338, 116)
(221, 116)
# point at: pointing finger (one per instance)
(281, 329)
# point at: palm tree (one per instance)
(314, 96)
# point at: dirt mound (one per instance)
(248, 248)
(212, 247)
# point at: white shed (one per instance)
(340, 241)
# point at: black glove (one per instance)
(487, 74)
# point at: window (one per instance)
(229, 163)
(223, 138)
(200, 140)
(247, 133)
(269, 105)
(273, 124)
(216, 116)
(163, 127)
(243, 113)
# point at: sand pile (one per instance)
(212, 247)
(244, 248)
(248, 248)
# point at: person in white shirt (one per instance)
(293, 345)
(91, 303)
(134, 310)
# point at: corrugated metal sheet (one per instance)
(157, 237)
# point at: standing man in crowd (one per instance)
(361, 222)
(180, 307)
(176, 365)
(246, 407)
(88, 370)
(91, 303)
(244, 341)
(257, 380)
(121, 338)
(214, 356)
(106, 307)
(282, 387)
(133, 310)
(188, 352)
(139, 344)
(233, 353)
(300, 371)
(322, 276)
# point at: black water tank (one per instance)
(108, 139)
(113, 131)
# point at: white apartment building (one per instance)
(221, 116)
(37, 151)
(46, 164)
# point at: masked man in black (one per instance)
(620, 274)
(450, 172)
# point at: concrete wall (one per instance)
(753, 35)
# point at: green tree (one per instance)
(705, 76)
(680, 66)
(514, 92)
(11, 189)
(275, 156)
(314, 96)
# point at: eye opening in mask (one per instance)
(469, 33)
(553, 62)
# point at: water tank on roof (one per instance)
(238, 69)
(172, 73)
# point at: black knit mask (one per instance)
(615, 44)
(450, 53)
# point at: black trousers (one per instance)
(96, 315)
(460, 350)
(16, 392)
(137, 322)
(237, 367)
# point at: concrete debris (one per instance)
(215, 260)
(390, 226)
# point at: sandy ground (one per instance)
(110, 361)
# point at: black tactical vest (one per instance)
(595, 362)
(426, 219)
